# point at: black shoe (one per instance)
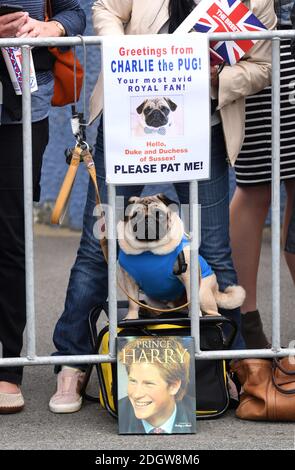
(252, 331)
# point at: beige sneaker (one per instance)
(11, 402)
(67, 398)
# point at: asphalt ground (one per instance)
(93, 428)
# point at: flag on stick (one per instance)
(220, 16)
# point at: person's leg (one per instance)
(248, 211)
(215, 240)
(87, 287)
(88, 283)
(12, 242)
(288, 232)
(214, 202)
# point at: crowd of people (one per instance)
(231, 233)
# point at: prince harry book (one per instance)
(156, 385)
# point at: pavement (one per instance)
(93, 428)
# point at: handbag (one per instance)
(268, 389)
(67, 75)
(212, 396)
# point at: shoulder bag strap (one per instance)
(276, 365)
(48, 10)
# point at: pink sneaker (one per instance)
(67, 398)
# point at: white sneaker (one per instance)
(67, 398)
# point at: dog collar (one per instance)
(151, 130)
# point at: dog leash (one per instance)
(81, 153)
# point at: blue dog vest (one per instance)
(154, 273)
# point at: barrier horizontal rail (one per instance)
(106, 358)
(96, 40)
(32, 358)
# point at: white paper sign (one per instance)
(156, 108)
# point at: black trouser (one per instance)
(290, 242)
(12, 243)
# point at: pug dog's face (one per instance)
(155, 112)
(151, 223)
(149, 218)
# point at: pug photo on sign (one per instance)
(154, 257)
(155, 117)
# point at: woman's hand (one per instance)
(11, 23)
(34, 29)
(214, 76)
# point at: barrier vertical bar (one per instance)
(194, 265)
(28, 203)
(112, 265)
(275, 211)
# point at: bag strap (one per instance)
(62, 200)
(181, 264)
(48, 10)
(79, 154)
(277, 365)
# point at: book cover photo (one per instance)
(156, 385)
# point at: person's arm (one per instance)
(68, 19)
(253, 72)
(70, 15)
(109, 16)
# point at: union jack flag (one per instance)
(224, 16)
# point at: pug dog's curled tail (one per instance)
(232, 297)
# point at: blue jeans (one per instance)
(88, 284)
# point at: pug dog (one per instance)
(154, 257)
(155, 115)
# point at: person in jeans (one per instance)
(68, 19)
(88, 280)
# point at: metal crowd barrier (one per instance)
(31, 357)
